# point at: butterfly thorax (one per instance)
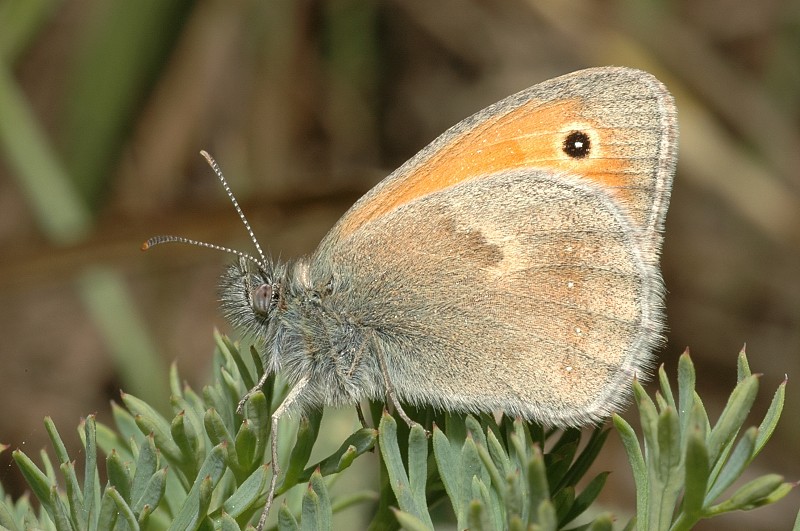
(301, 330)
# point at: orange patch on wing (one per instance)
(530, 135)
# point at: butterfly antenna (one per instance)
(168, 238)
(218, 171)
(263, 263)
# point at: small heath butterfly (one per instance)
(511, 265)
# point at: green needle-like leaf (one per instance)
(150, 421)
(357, 444)
(55, 440)
(733, 416)
(742, 366)
(146, 467)
(734, 467)
(325, 511)
(539, 493)
(547, 518)
(189, 441)
(664, 386)
(35, 478)
(696, 477)
(686, 389)
(770, 421)
(648, 416)
(638, 466)
(669, 450)
(390, 451)
(188, 516)
(418, 464)
(304, 443)
(123, 509)
(409, 522)
(257, 412)
(218, 432)
(108, 512)
(152, 492)
(750, 494)
(91, 482)
(248, 493)
(447, 461)
(494, 472)
(286, 520)
(74, 497)
(246, 444)
(226, 523)
(119, 475)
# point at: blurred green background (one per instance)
(104, 106)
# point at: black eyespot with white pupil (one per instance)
(577, 145)
(261, 298)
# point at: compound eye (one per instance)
(261, 298)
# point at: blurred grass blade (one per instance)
(22, 21)
(60, 212)
(112, 43)
(108, 301)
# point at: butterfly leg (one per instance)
(391, 394)
(361, 417)
(276, 417)
(256, 388)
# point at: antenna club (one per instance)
(157, 240)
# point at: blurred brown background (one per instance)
(104, 106)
